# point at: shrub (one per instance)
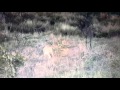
(9, 63)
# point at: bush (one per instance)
(9, 63)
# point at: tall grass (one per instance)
(71, 58)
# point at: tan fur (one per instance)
(48, 51)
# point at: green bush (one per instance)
(9, 63)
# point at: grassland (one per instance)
(67, 55)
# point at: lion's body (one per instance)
(48, 51)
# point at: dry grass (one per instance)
(60, 52)
(72, 59)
